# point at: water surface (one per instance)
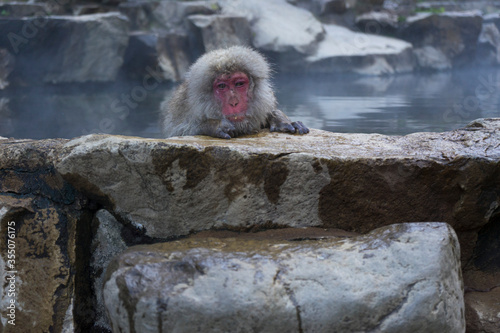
(393, 105)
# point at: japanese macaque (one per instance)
(226, 93)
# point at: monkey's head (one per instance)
(231, 83)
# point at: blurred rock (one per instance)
(492, 18)
(364, 6)
(172, 14)
(58, 49)
(278, 26)
(7, 62)
(138, 13)
(488, 52)
(455, 34)
(328, 285)
(327, 7)
(174, 56)
(89, 9)
(378, 23)
(219, 31)
(19, 9)
(343, 50)
(428, 57)
(141, 53)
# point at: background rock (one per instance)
(19, 9)
(380, 22)
(278, 26)
(219, 31)
(489, 45)
(428, 57)
(172, 14)
(304, 286)
(326, 7)
(174, 56)
(343, 50)
(455, 34)
(97, 41)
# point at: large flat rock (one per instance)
(372, 283)
(356, 182)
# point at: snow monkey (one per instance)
(226, 93)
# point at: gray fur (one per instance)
(193, 110)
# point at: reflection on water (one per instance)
(395, 104)
(387, 105)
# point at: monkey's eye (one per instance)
(221, 86)
(239, 84)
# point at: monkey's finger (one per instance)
(220, 134)
(284, 127)
(232, 133)
(300, 127)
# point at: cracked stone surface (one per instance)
(372, 283)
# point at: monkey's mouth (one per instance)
(236, 117)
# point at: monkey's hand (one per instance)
(224, 130)
(279, 122)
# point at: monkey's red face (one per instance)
(232, 91)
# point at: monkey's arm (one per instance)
(218, 128)
(279, 122)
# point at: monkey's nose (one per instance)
(233, 103)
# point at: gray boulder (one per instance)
(327, 7)
(277, 25)
(429, 57)
(372, 283)
(219, 31)
(378, 22)
(20, 9)
(454, 34)
(173, 56)
(172, 14)
(81, 48)
(344, 50)
(106, 244)
(489, 45)
(356, 182)
(156, 58)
